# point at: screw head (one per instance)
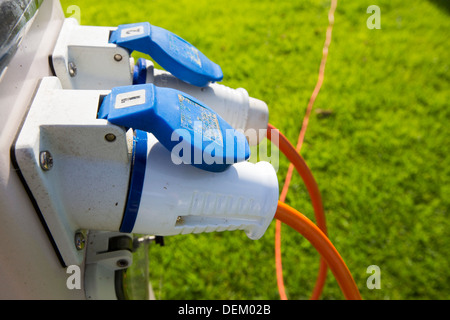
(110, 137)
(72, 69)
(122, 263)
(118, 57)
(46, 160)
(80, 241)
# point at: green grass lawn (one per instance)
(381, 158)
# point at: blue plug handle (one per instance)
(173, 53)
(192, 131)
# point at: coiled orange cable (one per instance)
(323, 245)
(323, 269)
(302, 168)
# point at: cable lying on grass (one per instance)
(323, 245)
(302, 168)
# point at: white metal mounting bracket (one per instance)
(104, 65)
(74, 166)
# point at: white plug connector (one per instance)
(180, 199)
(234, 105)
(85, 59)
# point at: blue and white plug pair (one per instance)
(189, 171)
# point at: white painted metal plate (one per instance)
(83, 58)
(86, 188)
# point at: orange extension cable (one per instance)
(323, 245)
(322, 269)
(302, 168)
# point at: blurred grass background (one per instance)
(381, 156)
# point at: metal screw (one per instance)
(118, 57)
(46, 160)
(110, 137)
(72, 69)
(80, 241)
(179, 220)
(122, 263)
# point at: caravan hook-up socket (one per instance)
(85, 173)
(93, 57)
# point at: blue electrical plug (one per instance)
(193, 132)
(173, 53)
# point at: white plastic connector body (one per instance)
(234, 105)
(181, 199)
